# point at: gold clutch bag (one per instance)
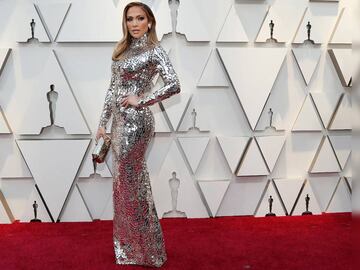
(101, 149)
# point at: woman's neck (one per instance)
(139, 42)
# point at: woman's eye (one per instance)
(141, 18)
(129, 19)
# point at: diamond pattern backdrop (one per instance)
(255, 118)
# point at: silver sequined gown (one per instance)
(137, 234)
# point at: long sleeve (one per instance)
(168, 75)
(106, 112)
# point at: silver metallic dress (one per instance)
(137, 234)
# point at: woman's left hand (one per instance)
(132, 100)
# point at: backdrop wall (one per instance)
(254, 118)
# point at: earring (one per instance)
(149, 25)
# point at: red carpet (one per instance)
(311, 242)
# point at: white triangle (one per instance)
(289, 190)
(232, 30)
(233, 149)
(325, 160)
(342, 148)
(27, 12)
(253, 162)
(12, 164)
(343, 119)
(242, 197)
(194, 148)
(214, 192)
(326, 104)
(286, 16)
(163, 18)
(95, 192)
(190, 23)
(245, 63)
(213, 73)
(251, 17)
(343, 31)
(271, 147)
(75, 209)
(307, 59)
(301, 204)
(347, 171)
(175, 108)
(54, 165)
(341, 201)
(276, 204)
(53, 15)
(4, 129)
(324, 186)
(322, 22)
(161, 124)
(108, 211)
(87, 167)
(307, 120)
(188, 200)
(342, 60)
(40, 69)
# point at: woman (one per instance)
(137, 58)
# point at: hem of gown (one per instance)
(128, 262)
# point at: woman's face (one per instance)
(137, 22)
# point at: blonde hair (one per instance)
(124, 43)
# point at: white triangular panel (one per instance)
(343, 31)
(322, 22)
(232, 30)
(276, 205)
(194, 148)
(343, 119)
(314, 206)
(324, 186)
(4, 129)
(163, 17)
(233, 149)
(214, 192)
(12, 164)
(95, 191)
(271, 147)
(289, 190)
(245, 63)
(213, 165)
(161, 124)
(325, 160)
(251, 16)
(190, 23)
(53, 15)
(242, 197)
(26, 12)
(4, 218)
(307, 120)
(62, 159)
(286, 16)
(213, 73)
(39, 69)
(87, 167)
(343, 63)
(82, 22)
(75, 209)
(3, 56)
(342, 148)
(253, 162)
(326, 104)
(307, 59)
(175, 108)
(188, 199)
(341, 201)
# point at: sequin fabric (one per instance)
(137, 234)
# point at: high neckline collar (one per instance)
(139, 42)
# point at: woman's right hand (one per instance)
(100, 133)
